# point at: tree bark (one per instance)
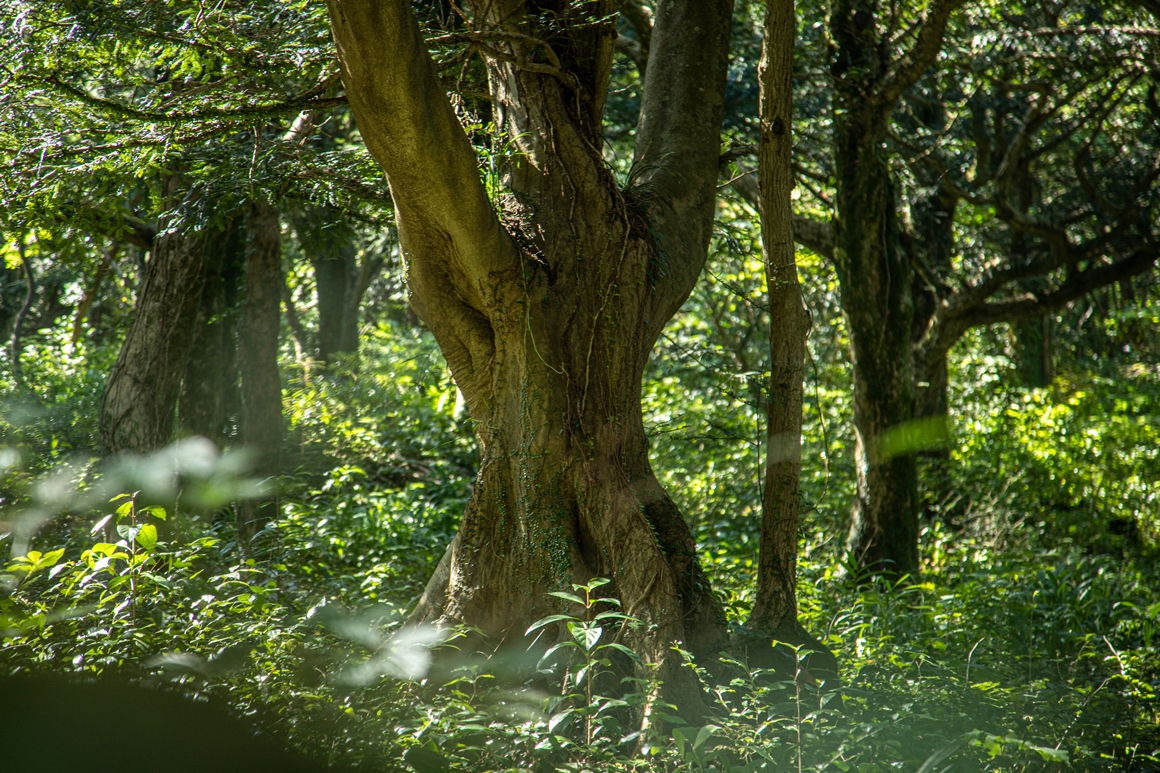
(261, 420)
(775, 606)
(137, 411)
(329, 246)
(1033, 360)
(15, 348)
(931, 243)
(547, 321)
(874, 278)
(874, 274)
(210, 400)
(90, 294)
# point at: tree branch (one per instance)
(678, 138)
(640, 19)
(450, 236)
(815, 235)
(909, 68)
(410, 128)
(1075, 287)
(307, 101)
(139, 232)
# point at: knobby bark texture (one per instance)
(261, 419)
(137, 411)
(547, 302)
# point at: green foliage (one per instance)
(1029, 643)
(1078, 457)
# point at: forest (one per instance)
(580, 385)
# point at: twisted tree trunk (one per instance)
(547, 320)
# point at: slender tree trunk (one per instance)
(90, 294)
(1033, 360)
(775, 606)
(14, 345)
(932, 381)
(137, 412)
(932, 244)
(261, 421)
(210, 400)
(329, 245)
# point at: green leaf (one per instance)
(679, 735)
(548, 621)
(559, 719)
(586, 634)
(703, 735)
(426, 760)
(621, 648)
(156, 512)
(593, 584)
(50, 558)
(1052, 755)
(613, 616)
(556, 648)
(568, 597)
(147, 536)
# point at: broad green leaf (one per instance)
(586, 634)
(548, 621)
(621, 648)
(147, 536)
(568, 597)
(703, 735)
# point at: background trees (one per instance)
(1015, 181)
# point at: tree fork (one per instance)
(548, 340)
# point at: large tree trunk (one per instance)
(137, 412)
(547, 321)
(210, 400)
(261, 421)
(875, 280)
